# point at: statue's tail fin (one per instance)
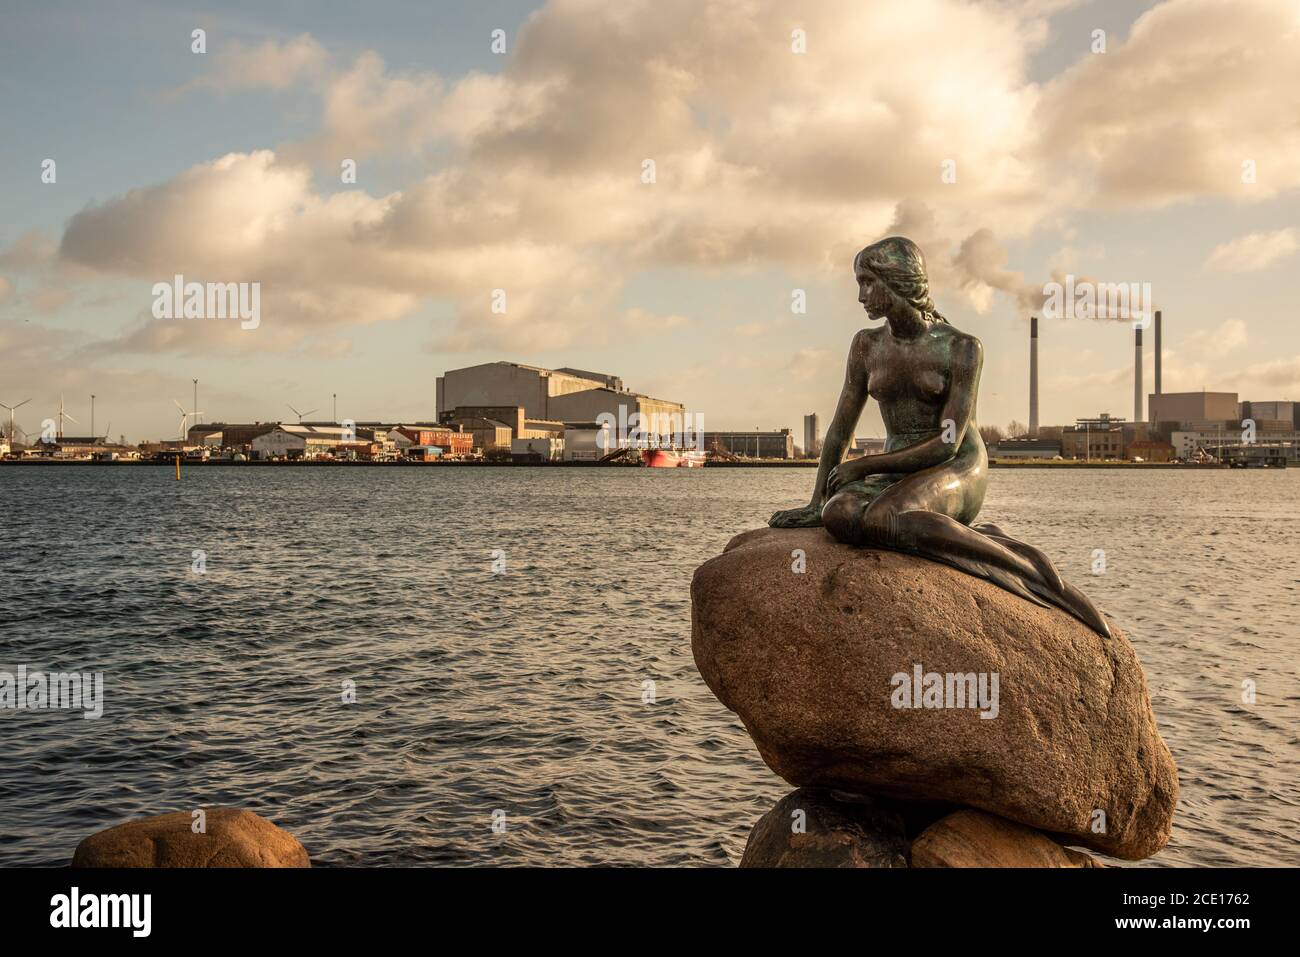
(1052, 588)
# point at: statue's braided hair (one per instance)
(899, 264)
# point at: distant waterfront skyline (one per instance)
(1018, 144)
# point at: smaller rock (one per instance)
(975, 839)
(833, 830)
(234, 838)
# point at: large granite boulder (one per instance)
(234, 838)
(976, 839)
(826, 653)
(812, 828)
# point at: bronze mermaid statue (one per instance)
(921, 494)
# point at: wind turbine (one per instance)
(301, 414)
(64, 415)
(185, 417)
(11, 416)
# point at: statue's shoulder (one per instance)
(865, 339)
(962, 342)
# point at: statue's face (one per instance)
(873, 295)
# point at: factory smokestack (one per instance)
(1033, 375)
(1158, 352)
(1137, 374)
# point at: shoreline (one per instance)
(771, 464)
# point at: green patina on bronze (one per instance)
(921, 494)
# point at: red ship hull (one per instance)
(665, 459)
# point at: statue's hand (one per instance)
(854, 470)
(810, 516)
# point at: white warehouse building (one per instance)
(558, 395)
(548, 449)
(303, 441)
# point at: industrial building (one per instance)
(587, 442)
(778, 444)
(1026, 447)
(1149, 450)
(370, 440)
(1197, 424)
(230, 435)
(306, 441)
(513, 418)
(423, 442)
(488, 434)
(1259, 455)
(1189, 443)
(76, 447)
(1192, 407)
(551, 395)
(1274, 416)
(548, 449)
(1102, 437)
(575, 442)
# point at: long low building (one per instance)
(305, 441)
(233, 435)
(1025, 448)
(449, 442)
(777, 444)
(1188, 442)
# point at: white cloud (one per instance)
(367, 111)
(1198, 88)
(1210, 343)
(1254, 251)
(809, 363)
(638, 318)
(270, 65)
(32, 250)
(1282, 375)
(326, 261)
(763, 158)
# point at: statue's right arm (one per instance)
(838, 436)
(853, 398)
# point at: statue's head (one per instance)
(892, 281)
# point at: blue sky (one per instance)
(521, 171)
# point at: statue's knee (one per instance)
(840, 516)
(880, 525)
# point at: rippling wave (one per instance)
(523, 692)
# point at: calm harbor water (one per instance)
(521, 691)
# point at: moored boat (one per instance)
(671, 459)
